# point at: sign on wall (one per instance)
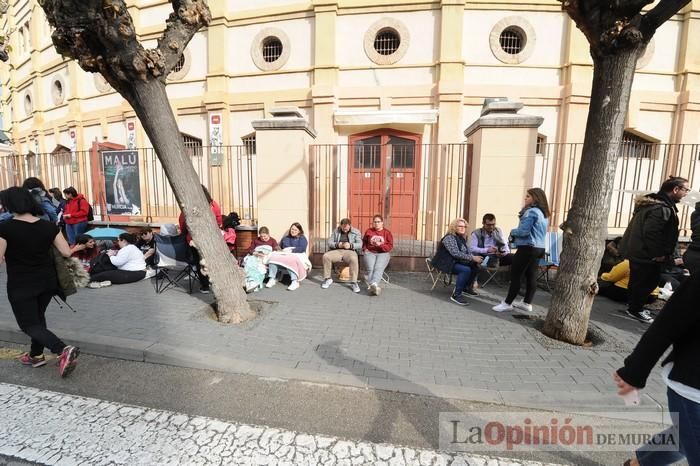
(73, 147)
(131, 134)
(122, 185)
(216, 139)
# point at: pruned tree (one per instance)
(100, 35)
(618, 32)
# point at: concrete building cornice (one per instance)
(501, 113)
(380, 117)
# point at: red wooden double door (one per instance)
(384, 179)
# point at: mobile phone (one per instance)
(632, 398)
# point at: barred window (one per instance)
(539, 145)
(271, 49)
(403, 152)
(249, 143)
(180, 63)
(387, 41)
(512, 40)
(637, 147)
(193, 145)
(368, 153)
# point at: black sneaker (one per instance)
(461, 300)
(470, 292)
(642, 316)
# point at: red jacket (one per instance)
(183, 226)
(386, 246)
(78, 208)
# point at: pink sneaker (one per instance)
(66, 360)
(34, 361)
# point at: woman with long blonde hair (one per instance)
(453, 257)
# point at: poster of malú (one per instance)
(122, 187)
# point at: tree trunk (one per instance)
(150, 102)
(586, 225)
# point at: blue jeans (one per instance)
(273, 268)
(688, 435)
(73, 230)
(465, 276)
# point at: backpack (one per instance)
(232, 220)
(90, 215)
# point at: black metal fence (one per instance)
(641, 168)
(418, 189)
(228, 172)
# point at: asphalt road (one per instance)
(350, 413)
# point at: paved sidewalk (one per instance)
(408, 339)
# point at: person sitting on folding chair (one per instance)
(453, 257)
(490, 243)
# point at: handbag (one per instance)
(101, 263)
(70, 273)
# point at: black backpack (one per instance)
(90, 215)
(232, 220)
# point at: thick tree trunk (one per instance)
(150, 102)
(585, 226)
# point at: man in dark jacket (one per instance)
(678, 325)
(649, 242)
(691, 258)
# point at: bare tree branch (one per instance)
(659, 15)
(187, 18)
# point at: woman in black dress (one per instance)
(25, 242)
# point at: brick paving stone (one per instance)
(406, 335)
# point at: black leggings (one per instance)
(29, 308)
(525, 262)
(119, 277)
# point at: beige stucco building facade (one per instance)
(413, 69)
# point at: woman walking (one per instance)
(25, 242)
(377, 242)
(528, 237)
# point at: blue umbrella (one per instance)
(105, 233)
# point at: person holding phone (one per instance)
(677, 326)
(343, 246)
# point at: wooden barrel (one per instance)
(245, 234)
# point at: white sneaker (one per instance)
(502, 307)
(372, 289)
(293, 286)
(150, 273)
(377, 290)
(94, 285)
(355, 287)
(523, 306)
(326, 283)
(270, 283)
(105, 283)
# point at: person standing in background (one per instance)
(75, 214)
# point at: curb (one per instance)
(158, 353)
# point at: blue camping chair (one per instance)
(552, 251)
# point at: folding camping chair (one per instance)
(173, 262)
(552, 250)
(492, 273)
(436, 275)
